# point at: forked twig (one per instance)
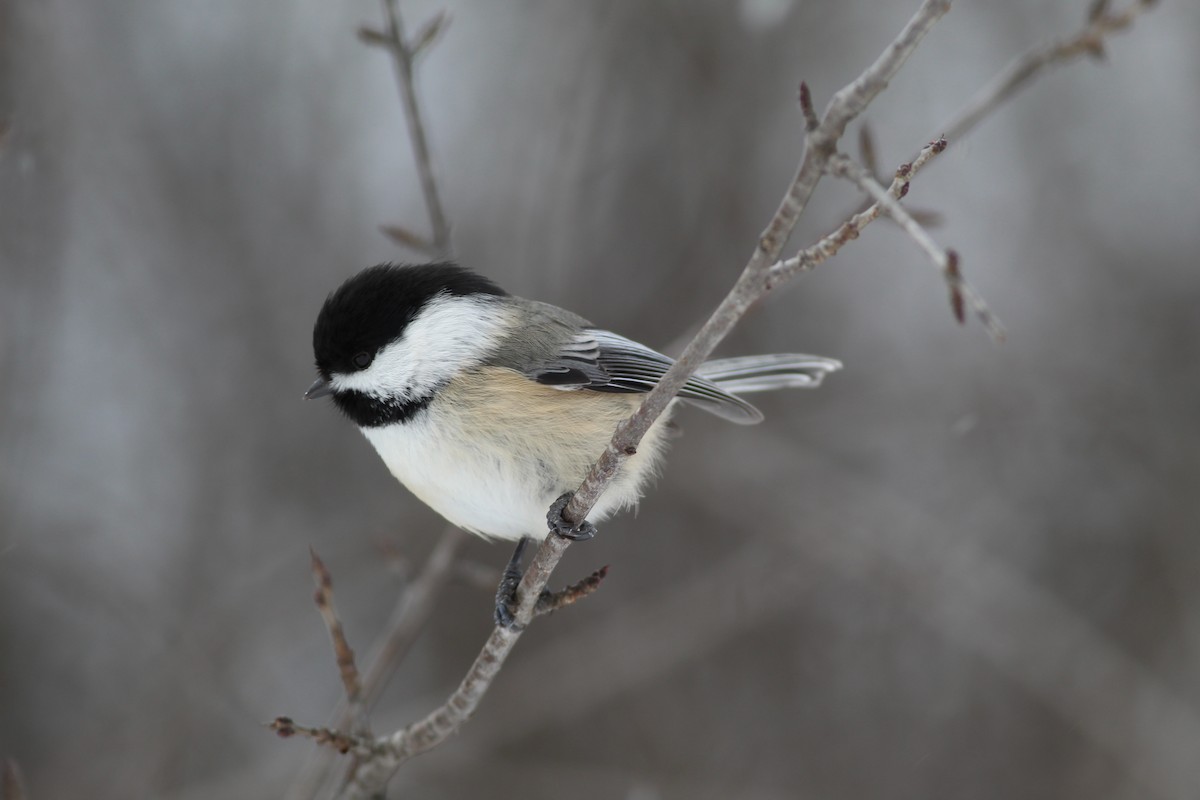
(1101, 24)
(404, 53)
(829, 245)
(945, 260)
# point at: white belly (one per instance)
(495, 470)
(481, 494)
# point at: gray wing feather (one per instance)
(557, 348)
(623, 365)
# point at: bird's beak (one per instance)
(320, 388)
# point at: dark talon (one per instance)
(505, 619)
(561, 528)
(506, 592)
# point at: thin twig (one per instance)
(867, 155)
(342, 742)
(348, 670)
(820, 146)
(829, 245)
(945, 260)
(404, 53)
(549, 603)
(1100, 24)
(375, 759)
(477, 574)
(409, 618)
(11, 785)
(1020, 71)
(411, 615)
(811, 120)
(416, 604)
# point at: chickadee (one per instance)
(488, 407)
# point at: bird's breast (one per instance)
(494, 449)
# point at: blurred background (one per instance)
(956, 570)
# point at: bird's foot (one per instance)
(506, 592)
(563, 529)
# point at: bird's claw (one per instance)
(506, 602)
(563, 529)
(506, 592)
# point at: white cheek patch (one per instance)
(451, 333)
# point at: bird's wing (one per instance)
(603, 361)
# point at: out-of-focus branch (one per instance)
(1101, 23)
(820, 146)
(412, 612)
(337, 635)
(829, 245)
(416, 603)
(326, 737)
(11, 785)
(952, 585)
(961, 293)
(388, 753)
(404, 53)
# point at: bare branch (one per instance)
(828, 246)
(1101, 23)
(429, 33)
(392, 751)
(869, 159)
(426, 734)
(853, 99)
(946, 261)
(549, 603)
(408, 620)
(477, 574)
(410, 616)
(342, 742)
(337, 635)
(11, 785)
(373, 37)
(820, 145)
(866, 149)
(811, 120)
(403, 55)
(410, 239)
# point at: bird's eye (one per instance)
(362, 360)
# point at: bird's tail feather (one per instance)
(746, 374)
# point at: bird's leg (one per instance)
(506, 592)
(563, 529)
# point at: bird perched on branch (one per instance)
(491, 408)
